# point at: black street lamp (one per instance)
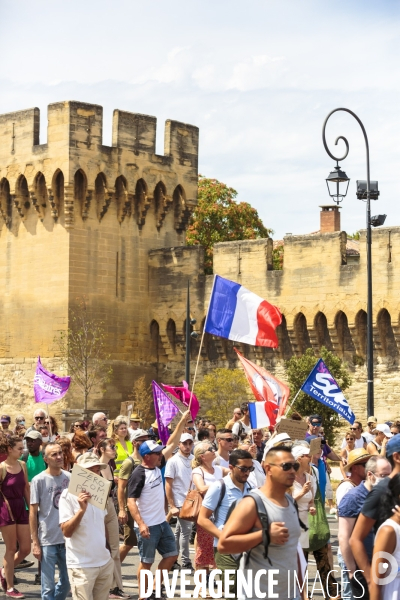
(366, 190)
(189, 334)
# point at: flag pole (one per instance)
(201, 346)
(291, 404)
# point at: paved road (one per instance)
(26, 577)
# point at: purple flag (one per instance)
(49, 387)
(165, 411)
(183, 394)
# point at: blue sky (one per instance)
(257, 78)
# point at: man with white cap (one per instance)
(90, 566)
(178, 475)
(382, 436)
(147, 507)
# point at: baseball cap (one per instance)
(34, 435)
(149, 447)
(5, 419)
(393, 445)
(88, 460)
(281, 438)
(138, 433)
(185, 437)
(385, 429)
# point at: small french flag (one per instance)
(239, 315)
(258, 415)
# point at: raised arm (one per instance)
(175, 435)
(69, 527)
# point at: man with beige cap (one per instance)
(356, 466)
(89, 563)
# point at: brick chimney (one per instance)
(329, 218)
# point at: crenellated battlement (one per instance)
(74, 171)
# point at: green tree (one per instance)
(83, 349)
(298, 369)
(142, 400)
(219, 218)
(220, 391)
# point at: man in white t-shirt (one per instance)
(360, 440)
(369, 434)
(225, 444)
(243, 427)
(178, 476)
(146, 505)
(90, 566)
(356, 466)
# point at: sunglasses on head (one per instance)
(286, 466)
(246, 469)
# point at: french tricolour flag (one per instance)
(238, 314)
(258, 415)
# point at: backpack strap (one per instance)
(221, 497)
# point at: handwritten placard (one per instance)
(129, 410)
(315, 446)
(83, 480)
(296, 430)
(124, 409)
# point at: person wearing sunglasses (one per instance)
(224, 440)
(39, 418)
(360, 441)
(243, 530)
(219, 498)
(204, 474)
(344, 453)
(178, 478)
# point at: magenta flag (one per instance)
(165, 411)
(183, 394)
(48, 387)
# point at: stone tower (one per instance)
(78, 219)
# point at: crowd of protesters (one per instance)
(264, 497)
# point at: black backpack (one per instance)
(265, 522)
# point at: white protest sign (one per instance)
(83, 480)
(296, 430)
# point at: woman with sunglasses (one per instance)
(106, 452)
(52, 424)
(204, 474)
(350, 445)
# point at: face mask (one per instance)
(377, 480)
(46, 438)
(21, 423)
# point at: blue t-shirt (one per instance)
(350, 506)
(232, 493)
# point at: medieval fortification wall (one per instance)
(80, 219)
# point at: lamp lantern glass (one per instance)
(337, 183)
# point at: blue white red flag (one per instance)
(258, 415)
(238, 314)
(165, 411)
(321, 386)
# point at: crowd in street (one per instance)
(250, 499)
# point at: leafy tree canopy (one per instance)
(298, 369)
(219, 218)
(220, 392)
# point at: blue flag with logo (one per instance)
(321, 386)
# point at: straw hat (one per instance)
(357, 456)
(135, 417)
